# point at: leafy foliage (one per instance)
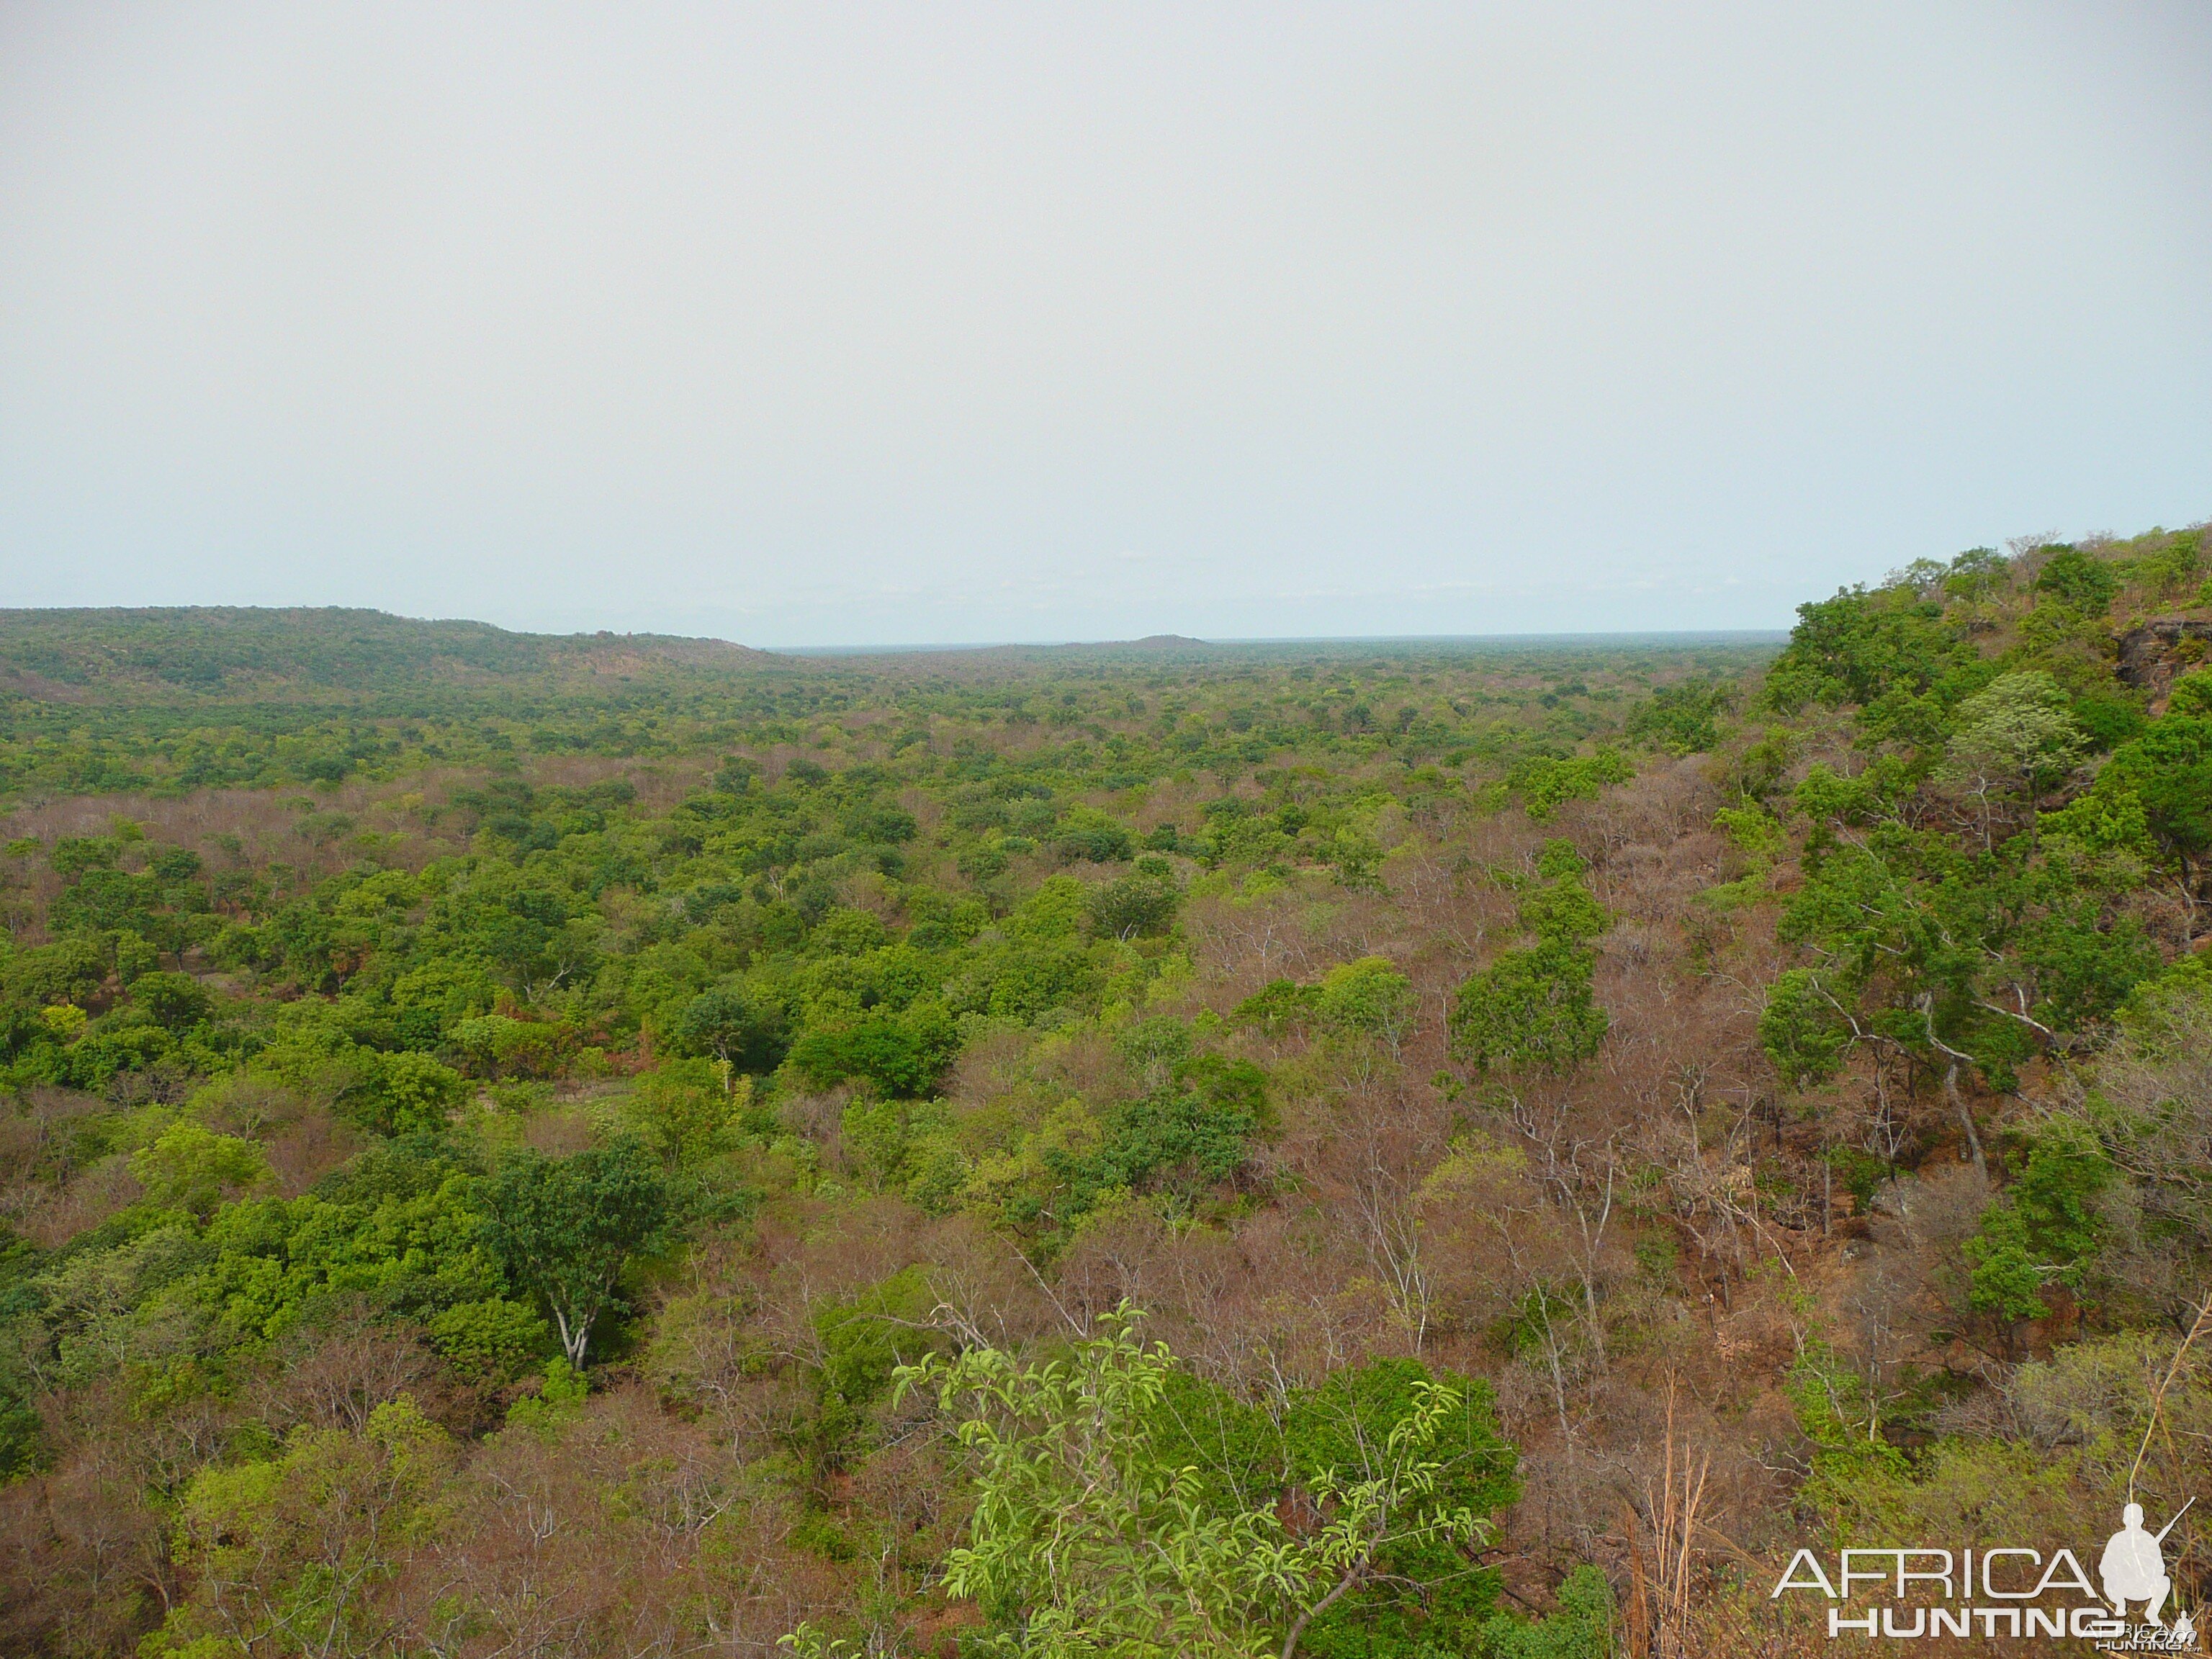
(2046, 1227)
(567, 1227)
(775, 1028)
(1086, 1538)
(1532, 1009)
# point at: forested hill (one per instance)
(166, 701)
(227, 652)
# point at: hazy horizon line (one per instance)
(1164, 642)
(1171, 642)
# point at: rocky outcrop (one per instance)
(2154, 654)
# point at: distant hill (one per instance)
(249, 652)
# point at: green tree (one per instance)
(404, 1093)
(1683, 718)
(734, 1025)
(567, 1227)
(2191, 694)
(287, 1556)
(1369, 996)
(190, 1167)
(1583, 1628)
(172, 1001)
(2169, 769)
(1357, 858)
(1132, 906)
(487, 1341)
(2074, 578)
(903, 1053)
(1804, 1035)
(2150, 1106)
(1545, 782)
(1421, 1592)
(1193, 1129)
(1563, 913)
(687, 1110)
(1889, 650)
(1087, 833)
(1277, 1006)
(1087, 1539)
(2045, 1228)
(70, 970)
(860, 1344)
(1531, 1010)
(2018, 732)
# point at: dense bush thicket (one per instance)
(169, 701)
(1193, 1149)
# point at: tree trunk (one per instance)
(1352, 1575)
(1965, 1119)
(574, 1338)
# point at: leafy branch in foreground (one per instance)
(1089, 1540)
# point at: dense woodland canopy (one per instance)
(628, 1145)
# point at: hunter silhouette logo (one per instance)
(2134, 1567)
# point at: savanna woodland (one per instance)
(624, 1146)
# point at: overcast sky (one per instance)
(826, 324)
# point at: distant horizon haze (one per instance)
(919, 647)
(872, 322)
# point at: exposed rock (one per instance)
(2154, 654)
